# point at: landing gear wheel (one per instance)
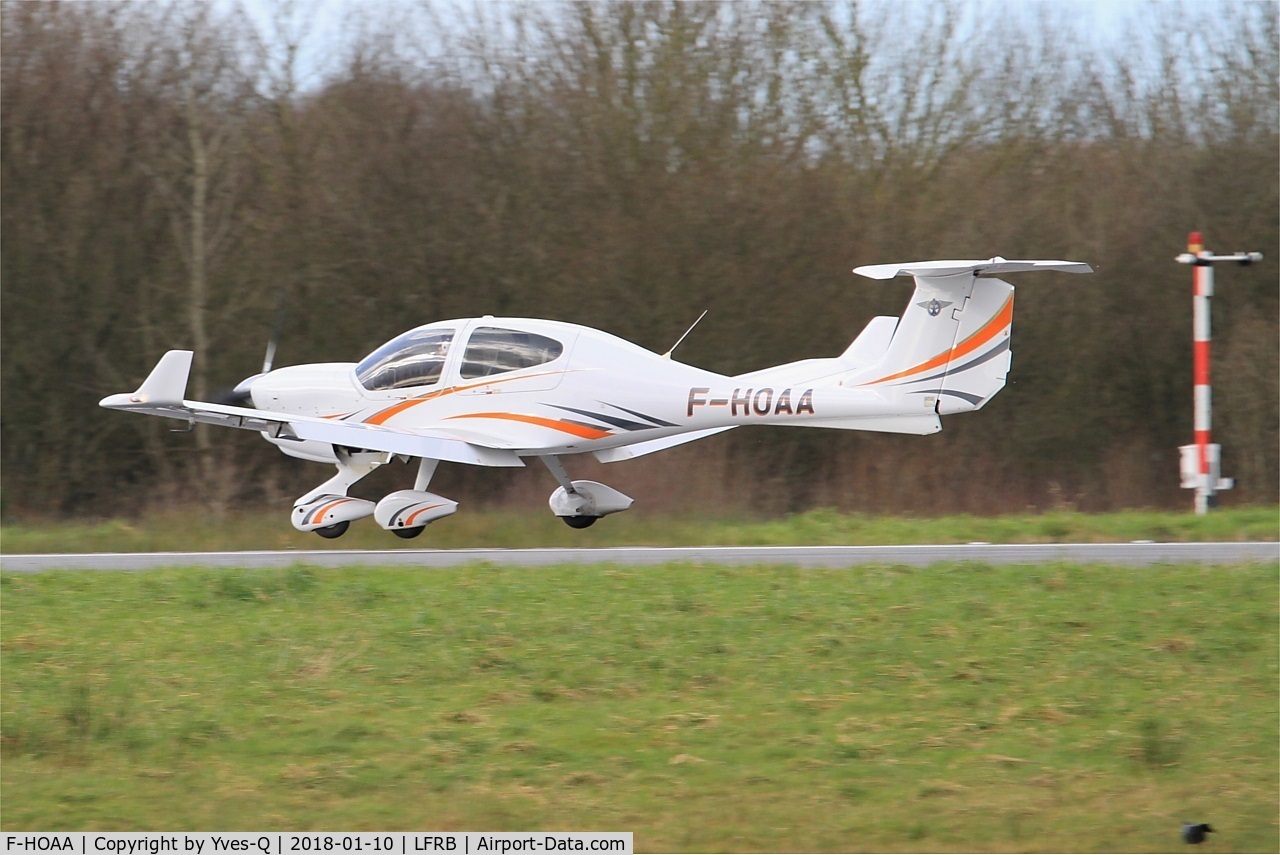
(408, 533)
(579, 522)
(338, 529)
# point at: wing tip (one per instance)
(165, 386)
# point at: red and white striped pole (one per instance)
(1206, 481)
(1202, 290)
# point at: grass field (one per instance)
(183, 531)
(958, 707)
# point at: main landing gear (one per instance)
(329, 511)
(332, 531)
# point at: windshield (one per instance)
(413, 359)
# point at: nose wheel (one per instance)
(408, 533)
(581, 503)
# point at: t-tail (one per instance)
(951, 346)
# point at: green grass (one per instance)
(536, 527)
(959, 707)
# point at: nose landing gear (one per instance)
(581, 503)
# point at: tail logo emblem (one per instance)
(934, 307)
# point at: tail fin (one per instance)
(952, 344)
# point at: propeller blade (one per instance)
(237, 397)
(271, 354)
(277, 328)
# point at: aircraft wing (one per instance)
(161, 394)
(639, 449)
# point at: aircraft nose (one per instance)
(309, 390)
(261, 391)
(244, 390)
(238, 396)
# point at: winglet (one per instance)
(164, 386)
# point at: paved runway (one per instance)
(1129, 554)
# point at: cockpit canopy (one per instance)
(418, 357)
(415, 358)
(493, 350)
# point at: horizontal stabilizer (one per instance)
(991, 266)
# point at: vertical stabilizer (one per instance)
(951, 348)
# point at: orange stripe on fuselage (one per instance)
(583, 431)
(382, 416)
(989, 330)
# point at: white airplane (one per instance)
(496, 391)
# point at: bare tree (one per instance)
(166, 171)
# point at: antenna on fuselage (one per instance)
(667, 355)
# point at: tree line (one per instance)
(186, 175)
